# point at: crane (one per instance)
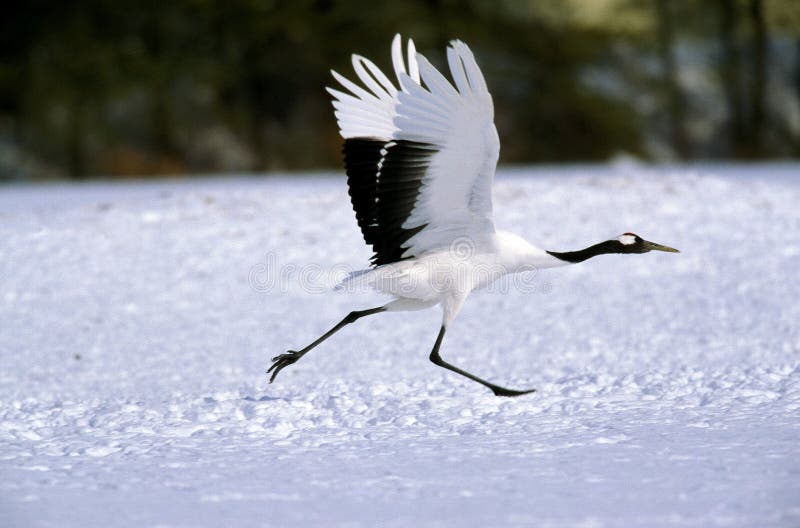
(420, 156)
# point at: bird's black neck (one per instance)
(603, 248)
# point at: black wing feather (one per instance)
(384, 180)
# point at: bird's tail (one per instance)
(355, 280)
(385, 279)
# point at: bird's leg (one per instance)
(496, 389)
(284, 360)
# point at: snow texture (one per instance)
(137, 321)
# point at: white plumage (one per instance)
(455, 199)
(420, 154)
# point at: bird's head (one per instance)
(633, 243)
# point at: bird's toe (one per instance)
(510, 393)
(282, 361)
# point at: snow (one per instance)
(137, 321)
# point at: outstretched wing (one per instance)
(420, 155)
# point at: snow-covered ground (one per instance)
(137, 320)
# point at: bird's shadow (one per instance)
(261, 399)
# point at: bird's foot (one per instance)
(283, 361)
(509, 393)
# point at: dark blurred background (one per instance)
(132, 88)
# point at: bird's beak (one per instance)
(652, 246)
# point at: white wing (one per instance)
(420, 159)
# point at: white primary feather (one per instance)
(370, 112)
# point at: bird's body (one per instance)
(449, 275)
(420, 155)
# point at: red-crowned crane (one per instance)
(420, 156)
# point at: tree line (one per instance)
(95, 88)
